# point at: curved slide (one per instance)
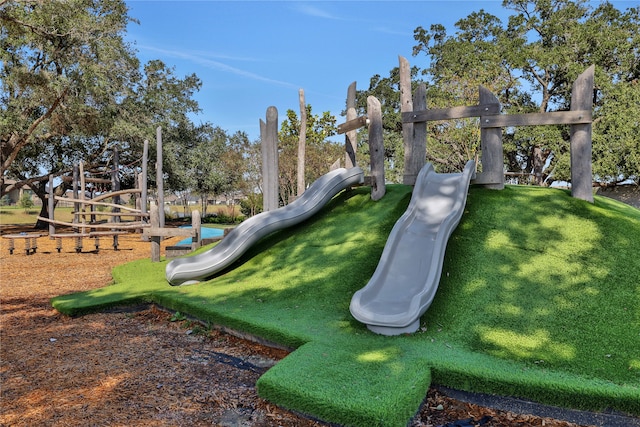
(406, 279)
(195, 268)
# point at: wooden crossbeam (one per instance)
(168, 232)
(356, 123)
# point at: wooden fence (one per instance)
(415, 116)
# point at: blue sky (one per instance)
(254, 54)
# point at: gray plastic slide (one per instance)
(407, 276)
(195, 268)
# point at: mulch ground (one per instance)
(143, 367)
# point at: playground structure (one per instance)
(88, 206)
(86, 209)
(407, 277)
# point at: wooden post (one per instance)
(51, 205)
(74, 186)
(196, 223)
(492, 175)
(269, 142)
(144, 183)
(406, 105)
(82, 196)
(159, 176)
(350, 138)
(580, 143)
(416, 161)
(302, 140)
(155, 240)
(115, 183)
(376, 148)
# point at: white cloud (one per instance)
(205, 61)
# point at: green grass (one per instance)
(539, 299)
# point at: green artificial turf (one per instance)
(539, 299)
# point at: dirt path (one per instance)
(140, 368)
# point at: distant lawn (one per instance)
(13, 215)
(539, 299)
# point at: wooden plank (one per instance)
(68, 235)
(536, 119)
(452, 113)
(98, 213)
(353, 124)
(87, 179)
(93, 202)
(116, 193)
(110, 225)
(107, 233)
(168, 232)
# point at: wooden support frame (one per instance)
(491, 125)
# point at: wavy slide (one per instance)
(198, 267)
(407, 276)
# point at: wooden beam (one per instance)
(93, 202)
(169, 232)
(537, 119)
(354, 124)
(110, 225)
(117, 193)
(98, 213)
(87, 179)
(450, 113)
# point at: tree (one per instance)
(320, 152)
(64, 66)
(531, 63)
(73, 90)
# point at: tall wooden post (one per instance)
(492, 175)
(159, 176)
(115, 182)
(376, 148)
(155, 239)
(143, 181)
(302, 140)
(269, 145)
(196, 224)
(418, 145)
(74, 187)
(51, 205)
(406, 105)
(581, 168)
(83, 192)
(350, 138)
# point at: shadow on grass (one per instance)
(536, 301)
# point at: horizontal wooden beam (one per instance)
(116, 193)
(356, 123)
(168, 232)
(98, 213)
(87, 179)
(93, 202)
(450, 113)
(107, 225)
(537, 119)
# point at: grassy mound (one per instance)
(539, 299)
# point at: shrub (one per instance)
(26, 202)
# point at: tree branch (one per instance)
(16, 142)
